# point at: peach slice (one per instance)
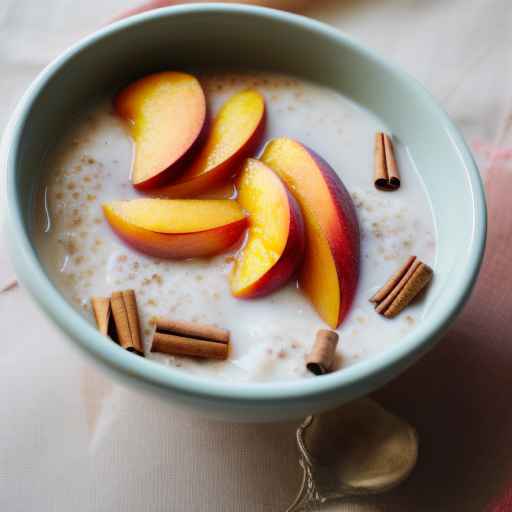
(166, 112)
(275, 242)
(235, 133)
(330, 271)
(177, 229)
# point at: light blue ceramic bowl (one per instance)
(249, 37)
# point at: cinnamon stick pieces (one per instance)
(387, 176)
(321, 358)
(102, 313)
(190, 339)
(118, 317)
(402, 287)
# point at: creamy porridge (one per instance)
(270, 336)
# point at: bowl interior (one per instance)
(243, 37)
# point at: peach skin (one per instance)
(275, 241)
(236, 132)
(330, 271)
(166, 113)
(177, 229)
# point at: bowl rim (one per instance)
(34, 278)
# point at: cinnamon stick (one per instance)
(190, 339)
(321, 358)
(192, 330)
(393, 281)
(192, 347)
(102, 313)
(126, 318)
(387, 176)
(121, 319)
(402, 287)
(130, 302)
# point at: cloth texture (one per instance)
(71, 439)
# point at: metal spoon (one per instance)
(359, 449)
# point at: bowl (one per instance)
(207, 35)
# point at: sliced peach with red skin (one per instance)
(330, 271)
(275, 242)
(177, 229)
(166, 113)
(235, 133)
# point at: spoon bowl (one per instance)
(358, 449)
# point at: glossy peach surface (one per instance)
(234, 134)
(330, 270)
(166, 113)
(167, 234)
(275, 241)
(177, 215)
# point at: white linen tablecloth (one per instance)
(70, 439)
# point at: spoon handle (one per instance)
(308, 496)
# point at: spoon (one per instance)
(356, 450)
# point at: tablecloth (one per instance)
(71, 439)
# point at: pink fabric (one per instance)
(491, 151)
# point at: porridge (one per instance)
(271, 335)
